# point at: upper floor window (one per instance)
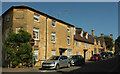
(74, 31)
(81, 34)
(36, 33)
(84, 45)
(68, 28)
(53, 37)
(8, 17)
(89, 45)
(53, 23)
(86, 35)
(36, 17)
(77, 43)
(68, 40)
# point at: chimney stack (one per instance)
(111, 36)
(92, 32)
(102, 34)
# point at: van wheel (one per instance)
(57, 67)
(68, 65)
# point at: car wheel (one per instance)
(57, 67)
(68, 65)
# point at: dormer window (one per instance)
(53, 23)
(86, 36)
(36, 17)
(81, 34)
(68, 28)
(74, 31)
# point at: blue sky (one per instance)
(100, 16)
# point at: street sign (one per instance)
(32, 42)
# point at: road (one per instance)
(107, 65)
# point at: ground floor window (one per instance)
(95, 50)
(53, 52)
(69, 52)
(36, 54)
(87, 54)
(77, 52)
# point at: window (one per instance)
(95, 51)
(35, 33)
(7, 32)
(36, 17)
(69, 52)
(68, 40)
(84, 45)
(68, 28)
(8, 17)
(87, 53)
(53, 52)
(17, 29)
(53, 37)
(81, 34)
(89, 45)
(53, 23)
(86, 35)
(36, 54)
(74, 31)
(77, 52)
(77, 43)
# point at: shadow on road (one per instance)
(108, 65)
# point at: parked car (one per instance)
(110, 54)
(96, 57)
(56, 62)
(76, 60)
(104, 55)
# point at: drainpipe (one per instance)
(46, 40)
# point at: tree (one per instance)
(109, 43)
(117, 44)
(18, 48)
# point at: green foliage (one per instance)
(18, 47)
(109, 43)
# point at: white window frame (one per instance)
(87, 53)
(84, 45)
(81, 34)
(69, 52)
(53, 22)
(86, 36)
(36, 53)
(36, 30)
(68, 40)
(53, 52)
(68, 28)
(53, 37)
(77, 43)
(37, 17)
(74, 31)
(89, 45)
